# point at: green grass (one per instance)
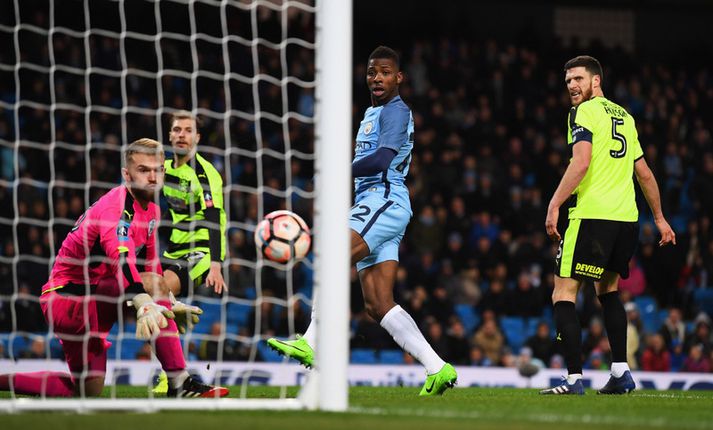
(400, 408)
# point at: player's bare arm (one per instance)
(651, 191)
(581, 157)
(215, 277)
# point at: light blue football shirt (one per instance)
(387, 126)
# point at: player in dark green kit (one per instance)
(194, 191)
(602, 232)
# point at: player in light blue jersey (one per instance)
(378, 220)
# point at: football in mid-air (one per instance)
(282, 236)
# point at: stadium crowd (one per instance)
(476, 266)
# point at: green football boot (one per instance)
(162, 384)
(298, 349)
(439, 382)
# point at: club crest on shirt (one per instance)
(184, 185)
(122, 231)
(368, 127)
(152, 225)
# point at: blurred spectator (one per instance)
(478, 357)
(525, 358)
(524, 300)
(556, 362)
(211, 346)
(491, 340)
(701, 335)
(28, 306)
(464, 288)
(435, 337)
(495, 298)
(635, 284)
(144, 353)
(457, 343)
(656, 357)
(633, 326)
(673, 328)
(37, 349)
(696, 361)
(541, 343)
(594, 336)
(600, 357)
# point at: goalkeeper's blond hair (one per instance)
(142, 146)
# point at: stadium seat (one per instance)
(468, 317)
(267, 354)
(703, 297)
(129, 348)
(239, 314)
(4, 340)
(211, 311)
(362, 356)
(18, 344)
(56, 350)
(514, 331)
(391, 356)
(648, 310)
(251, 293)
(531, 326)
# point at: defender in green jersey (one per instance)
(602, 232)
(194, 192)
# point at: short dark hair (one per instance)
(184, 114)
(385, 52)
(591, 64)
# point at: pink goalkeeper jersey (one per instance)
(112, 239)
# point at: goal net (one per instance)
(80, 79)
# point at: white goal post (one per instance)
(326, 386)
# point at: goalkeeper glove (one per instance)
(150, 317)
(186, 316)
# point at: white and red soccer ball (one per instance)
(282, 236)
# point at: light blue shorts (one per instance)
(382, 224)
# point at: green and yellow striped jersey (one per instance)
(607, 190)
(190, 190)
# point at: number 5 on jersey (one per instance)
(618, 137)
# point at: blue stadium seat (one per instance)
(703, 297)
(239, 314)
(391, 356)
(4, 341)
(362, 356)
(56, 350)
(267, 353)
(514, 331)
(211, 311)
(648, 310)
(531, 326)
(250, 293)
(129, 348)
(18, 345)
(468, 317)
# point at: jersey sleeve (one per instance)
(212, 205)
(393, 126)
(581, 123)
(118, 245)
(636, 149)
(212, 188)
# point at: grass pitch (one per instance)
(396, 408)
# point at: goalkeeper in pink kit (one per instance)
(96, 272)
